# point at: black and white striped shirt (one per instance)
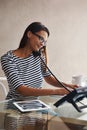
(22, 71)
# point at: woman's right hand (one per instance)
(61, 91)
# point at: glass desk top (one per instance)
(64, 117)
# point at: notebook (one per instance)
(31, 105)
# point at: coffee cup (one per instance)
(79, 80)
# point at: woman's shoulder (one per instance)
(7, 55)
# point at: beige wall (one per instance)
(67, 22)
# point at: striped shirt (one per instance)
(22, 71)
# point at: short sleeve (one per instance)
(11, 71)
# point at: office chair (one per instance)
(3, 90)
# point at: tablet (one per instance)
(31, 105)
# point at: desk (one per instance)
(11, 119)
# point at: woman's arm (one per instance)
(28, 91)
(52, 81)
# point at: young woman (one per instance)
(24, 71)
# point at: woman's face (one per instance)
(37, 40)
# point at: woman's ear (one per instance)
(29, 33)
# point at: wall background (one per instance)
(67, 22)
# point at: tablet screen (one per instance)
(31, 105)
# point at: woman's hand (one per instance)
(61, 91)
(70, 86)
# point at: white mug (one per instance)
(79, 80)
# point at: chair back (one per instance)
(3, 90)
